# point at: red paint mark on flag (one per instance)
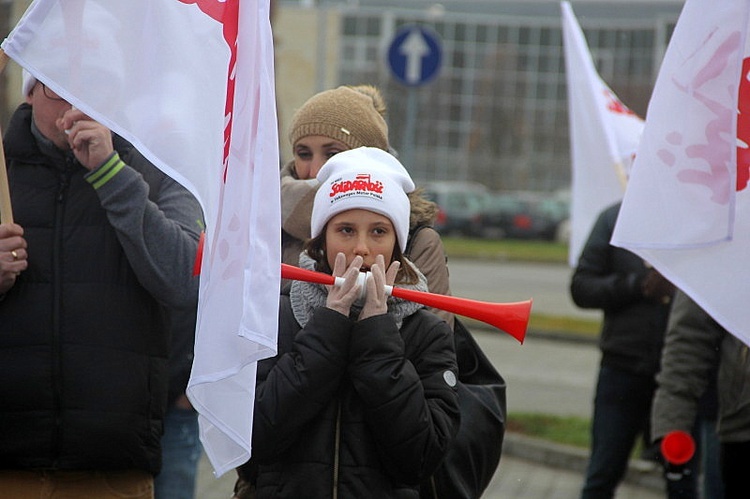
(714, 147)
(743, 127)
(213, 8)
(615, 105)
(225, 12)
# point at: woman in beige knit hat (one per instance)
(337, 120)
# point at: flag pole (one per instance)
(621, 175)
(6, 210)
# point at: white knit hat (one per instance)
(28, 83)
(367, 178)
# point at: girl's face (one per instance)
(360, 233)
(311, 153)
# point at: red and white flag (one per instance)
(687, 207)
(191, 84)
(604, 136)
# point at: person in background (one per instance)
(361, 399)
(636, 300)
(698, 352)
(103, 242)
(337, 120)
(708, 447)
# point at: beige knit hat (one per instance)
(345, 114)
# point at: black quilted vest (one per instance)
(83, 348)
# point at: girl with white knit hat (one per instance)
(361, 399)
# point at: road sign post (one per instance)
(414, 55)
(414, 58)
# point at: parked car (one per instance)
(501, 213)
(557, 210)
(523, 215)
(460, 205)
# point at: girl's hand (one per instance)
(376, 301)
(340, 298)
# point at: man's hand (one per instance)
(90, 141)
(656, 287)
(13, 255)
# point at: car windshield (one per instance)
(502, 203)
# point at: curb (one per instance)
(640, 472)
(566, 336)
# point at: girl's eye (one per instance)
(303, 155)
(331, 154)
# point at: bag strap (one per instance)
(474, 367)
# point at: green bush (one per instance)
(506, 249)
(569, 430)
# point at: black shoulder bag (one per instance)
(474, 454)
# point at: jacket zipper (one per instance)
(337, 451)
(56, 307)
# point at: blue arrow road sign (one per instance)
(414, 55)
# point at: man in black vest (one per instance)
(635, 299)
(102, 244)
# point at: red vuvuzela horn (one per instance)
(512, 318)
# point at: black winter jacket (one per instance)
(83, 345)
(609, 278)
(357, 407)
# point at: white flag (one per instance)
(190, 84)
(687, 210)
(604, 136)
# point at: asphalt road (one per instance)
(546, 284)
(546, 376)
(542, 375)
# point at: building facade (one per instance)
(497, 111)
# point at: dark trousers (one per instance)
(713, 484)
(181, 451)
(622, 413)
(735, 467)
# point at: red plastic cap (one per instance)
(678, 447)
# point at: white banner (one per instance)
(686, 210)
(604, 136)
(191, 84)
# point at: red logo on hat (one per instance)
(362, 182)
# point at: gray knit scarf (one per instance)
(306, 297)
